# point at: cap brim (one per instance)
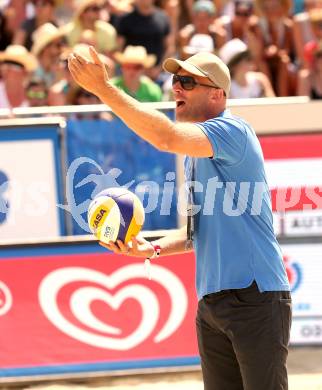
(172, 65)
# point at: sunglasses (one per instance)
(36, 94)
(133, 66)
(94, 8)
(188, 83)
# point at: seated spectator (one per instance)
(48, 45)
(203, 19)
(44, 13)
(16, 66)
(63, 91)
(276, 39)
(245, 83)
(87, 17)
(37, 93)
(147, 26)
(310, 80)
(134, 61)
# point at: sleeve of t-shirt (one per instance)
(228, 139)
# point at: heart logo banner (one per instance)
(77, 308)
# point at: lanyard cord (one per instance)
(190, 208)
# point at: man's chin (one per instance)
(182, 117)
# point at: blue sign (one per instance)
(103, 154)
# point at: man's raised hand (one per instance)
(91, 73)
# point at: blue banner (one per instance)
(103, 154)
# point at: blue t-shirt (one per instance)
(234, 239)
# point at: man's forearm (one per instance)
(149, 124)
(173, 243)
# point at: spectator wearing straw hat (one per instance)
(87, 17)
(134, 60)
(48, 45)
(16, 65)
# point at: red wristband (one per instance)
(156, 251)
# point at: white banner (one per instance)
(304, 268)
(28, 190)
(306, 331)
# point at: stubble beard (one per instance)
(196, 114)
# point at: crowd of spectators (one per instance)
(272, 47)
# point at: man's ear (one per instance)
(217, 94)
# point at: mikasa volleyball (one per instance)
(115, 214)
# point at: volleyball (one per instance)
(115, 214)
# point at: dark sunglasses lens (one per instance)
(186, 82)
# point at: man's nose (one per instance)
(177, 86)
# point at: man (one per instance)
(49, 43)
(244, 308)
(134, 61)
(148, 26)
(17, 64)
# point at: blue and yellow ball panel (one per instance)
(115, 213)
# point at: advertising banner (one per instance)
(75, 308)
(293, 164)
(114, 156)
(304, 268)
(79, 308)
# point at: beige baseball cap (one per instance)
(204, 65)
